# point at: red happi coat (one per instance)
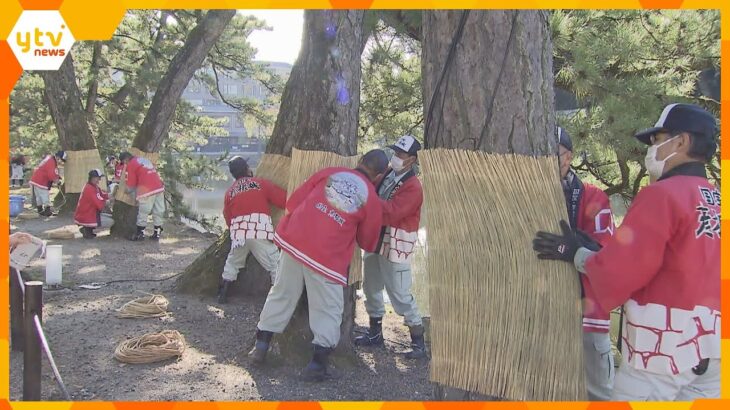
(246, 208)
(91, 202)
(663, 265)
(595, 218)
(326, 216)
(401, 217)
(46, 173)
(142, 176)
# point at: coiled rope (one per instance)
(145, 306)
(151, 347)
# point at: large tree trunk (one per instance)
(319, 111)
(321, 100)
(63, 98)
(158, 119)
(487, 85)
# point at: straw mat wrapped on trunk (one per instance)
(275, 168)
(503, 323)
(77, 167)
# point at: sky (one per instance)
(283, 42)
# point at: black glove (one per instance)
(585, 241)
(557, 247)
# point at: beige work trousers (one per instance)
(262, 249)
(326, 302)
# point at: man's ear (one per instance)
(685, 142)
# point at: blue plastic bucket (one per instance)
(16, 205)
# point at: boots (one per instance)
(157, 233)
(45, 210)
(263, 340)
(40, 209)
(316, 369)
(88, 233)
(374, 337)
(139, 235)
(223, 291)
(418, 343)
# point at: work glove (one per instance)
(557, 247)
(585, 241)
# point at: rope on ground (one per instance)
(151, 347)
(144, 307)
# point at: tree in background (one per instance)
(117, 79)
(391, 103)
(319, 111)
(623, 67)
(158, 118)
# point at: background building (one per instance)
(242, 141)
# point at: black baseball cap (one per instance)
(95, 173)
(61, 155)
(564, 139)
(682, 118)
(406, 144)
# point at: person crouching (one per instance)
(91, 203)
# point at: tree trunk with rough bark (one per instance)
(487, 85)
(158, 119)
(319, 111)
(488, 81)
(63, 98)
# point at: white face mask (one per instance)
(655, 167)
(396, 163)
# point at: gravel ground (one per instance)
(83, 332)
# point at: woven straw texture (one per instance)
(77, 167)
(275, 168)
(121, 194)
(502, 323)
(304, 164)
(419, 271)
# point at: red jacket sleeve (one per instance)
(403, 204)
(633, 256)
(131, 175)
(99, 198)
(297, 197)
(368, 231)
(52, 170)
(599, 222)
(275, 194)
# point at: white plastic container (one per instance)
(54, 264)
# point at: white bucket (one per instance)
(54, 264)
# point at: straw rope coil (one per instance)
(144, 307)
(63, 232)
(503, 323)
(151, 347)
(275, 168)
(304, 164)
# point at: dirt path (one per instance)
(83, 332)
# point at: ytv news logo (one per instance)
(40, 40)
